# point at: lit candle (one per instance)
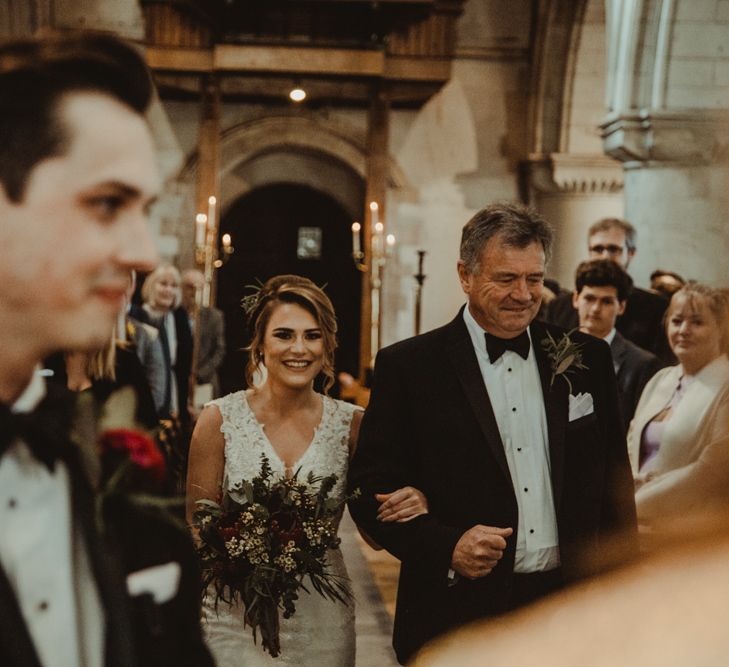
(356, 249)
(201, 221)
(211, 211)
(390, 243)
(226, 241)
(375, 211)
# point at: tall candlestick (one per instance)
(201, 221)
(356, 248)
(378, 240)
(211, 212)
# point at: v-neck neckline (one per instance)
(269, 445)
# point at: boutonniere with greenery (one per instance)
(565, 356)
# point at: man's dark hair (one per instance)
(517, 226)
(659, 273)
(607, 224)
(603, 273)
(34, 76)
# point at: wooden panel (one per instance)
(172, 25)
(434, 36)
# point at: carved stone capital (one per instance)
(645, 136)
(573, 173)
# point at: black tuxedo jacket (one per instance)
(641, 323)
(430, 424)
(635, 367)
(139, 633)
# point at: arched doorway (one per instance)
(267, 225)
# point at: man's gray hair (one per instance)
(517, 226)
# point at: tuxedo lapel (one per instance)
(618, 349)
(462, 356)
(16, 645)
(556, 407)
(108, 573)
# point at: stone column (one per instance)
(668, 102)
(676, 184)
(572, 192)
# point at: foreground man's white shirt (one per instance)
(515, 391)
(44, 556)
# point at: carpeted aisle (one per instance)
(373, 623)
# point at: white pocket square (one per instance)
(160, 581)
(580, 406)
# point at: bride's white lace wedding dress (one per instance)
(321, 632)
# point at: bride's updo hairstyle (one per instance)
(302, 292)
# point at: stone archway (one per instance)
(303, 155)
(304, 142)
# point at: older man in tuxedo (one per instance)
(77, 177)
(510, 428)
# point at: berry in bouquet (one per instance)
(266, 539)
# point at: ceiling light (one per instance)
(297, 94)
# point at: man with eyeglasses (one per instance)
(642, 321)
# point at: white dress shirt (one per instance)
(44, 557)
(515, 391)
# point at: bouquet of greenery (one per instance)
(259, 543)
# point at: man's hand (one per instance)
(401, 505)
(478, 550)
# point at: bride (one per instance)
(293, 338)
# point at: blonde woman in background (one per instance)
(161, 294)
(679, 438)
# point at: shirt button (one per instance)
(531, 530)
(518, 449)
(43, 605)
(513, 409)
(526, 489)
(509, 369)
(12, 503)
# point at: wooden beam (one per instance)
(175, 59)
(269, 59)
(286, 59)
(404, 68)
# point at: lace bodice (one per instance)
(246, 441)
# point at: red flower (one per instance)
(139, 448)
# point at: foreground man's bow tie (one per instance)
(496, 346)
(44, 430)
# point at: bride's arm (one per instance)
(206, 461)
(402, 504)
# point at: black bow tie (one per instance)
(496, 346)
(44, 430)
